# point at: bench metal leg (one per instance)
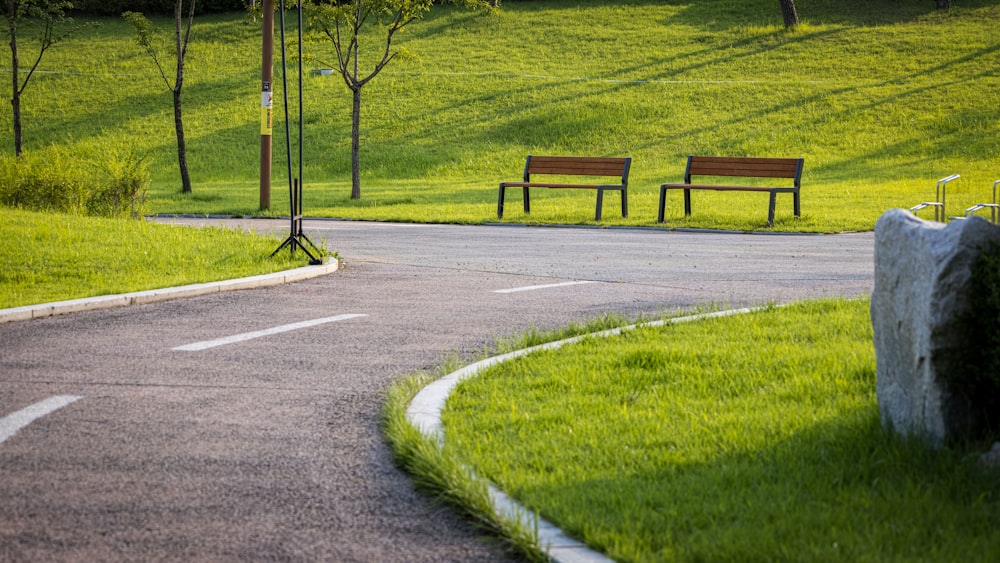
(527, 202)
(500, 202)
(600, 203)
(770, 208)
(687, 202)
(663, 204)
(795, 200)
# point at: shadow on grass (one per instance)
(843, 489)
(714, 16)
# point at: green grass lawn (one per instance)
(881, 98)
(753, 437)
(49, 257)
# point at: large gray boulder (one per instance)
(922, 283)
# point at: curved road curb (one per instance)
(424, 414)
(153, 295)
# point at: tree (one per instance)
(46, 13)
(341, 21)
(788, 13)
(146, 37)
(942, 4)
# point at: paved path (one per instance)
(265, 445)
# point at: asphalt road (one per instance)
(178, 445)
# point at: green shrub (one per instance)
(48, 180)
(123, 193)
(57, 180)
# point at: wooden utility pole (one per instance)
(266, 103)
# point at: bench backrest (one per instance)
(744, 166)
(578, 166)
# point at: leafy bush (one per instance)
(43, 181)
(57, 180)
(124, 191)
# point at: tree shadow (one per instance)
(725, 16)
(838, 489)
(719, 16)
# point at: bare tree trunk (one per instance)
(355, 86)
(50, 14)
(181, 148)
(181, 50)
(15, 100)
(789, 14)
(356, 144)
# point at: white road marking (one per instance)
(10, 424)
(547, 286)
(266, 332)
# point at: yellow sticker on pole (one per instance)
(266, 113)
(266, 121)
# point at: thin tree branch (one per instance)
(388, 55)
(45, 44)
(159, 67)
(187, 33)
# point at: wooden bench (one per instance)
(571, 166)
(738, 167)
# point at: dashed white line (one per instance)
(10, 424)
(194, 347)
(546, 286)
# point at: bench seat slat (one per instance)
(755, 172)
(576, 166)
(579, 160)
(750, 167)
(724, 188)
(548, 185)
(576, 171)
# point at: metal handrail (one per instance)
(993, 207)
(939, 194)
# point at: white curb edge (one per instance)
(28, 312)
(424, 414)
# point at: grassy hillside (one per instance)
(881, 98)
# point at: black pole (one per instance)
(301, 142)
(284, 95)
(295, 235)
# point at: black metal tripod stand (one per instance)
(295, 236)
